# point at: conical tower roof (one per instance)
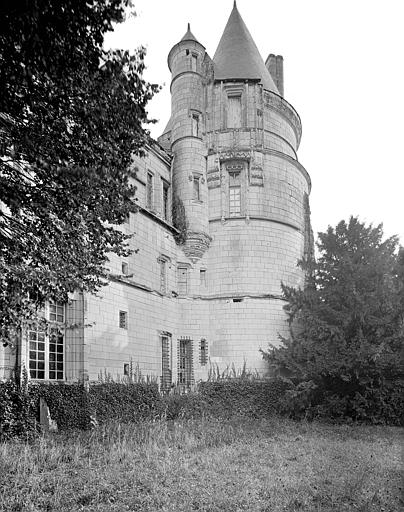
(189, 36)
(237, 56)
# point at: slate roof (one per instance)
(237, 56)
(189, 36)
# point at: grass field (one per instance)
(206, 465)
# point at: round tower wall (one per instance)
(238, 330)
(187, 146)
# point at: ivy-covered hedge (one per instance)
(244, 397)
(17, 411)
(225, 398)
(69, 404)
(124, 402)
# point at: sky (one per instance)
(343, 72)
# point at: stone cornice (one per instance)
(158, 219)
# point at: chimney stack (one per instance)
(274, 64)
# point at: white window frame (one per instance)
(55, 315)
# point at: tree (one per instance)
(71, 117)
(347, 324)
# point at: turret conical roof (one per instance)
(189, 36)
(237, 56)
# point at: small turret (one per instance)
(187, 145)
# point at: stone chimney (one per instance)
(274, 64)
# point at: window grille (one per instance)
(123, 319)
(203, 355)
(185, 363)
(166, 367)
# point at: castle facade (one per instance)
(206, 290)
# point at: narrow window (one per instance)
(165, 201)
(185, 366)
(194, 62)
(166, 367)
(163, 276)
(125, 268)
(123, 319)
(36, 358)
(203, 352)
(235, 201)
(196, 188)
(149, 191)
(126, 369)
(56, 349)
(195, 125)
(182, 280)
(234, 112)
(202, 276)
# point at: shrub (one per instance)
(68, 404)
(125, 402)
(17, 411)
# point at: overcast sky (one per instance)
(344, 74)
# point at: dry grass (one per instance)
(206, 465)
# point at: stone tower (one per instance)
(234, 140)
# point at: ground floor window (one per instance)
(46, 345)
(166, 365)
(185, 363)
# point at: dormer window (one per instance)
(234, 112)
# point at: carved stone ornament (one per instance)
(191, 177)
(235, 155)
(196, 245)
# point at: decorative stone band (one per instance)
(196, 245)
(246, 295)
(249, 218)
(272, 100)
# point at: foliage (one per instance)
(126, 403)
(71, 118)
(179, 220)
(69, 404)
(17, 410)
(346, 328)
(250, 398)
